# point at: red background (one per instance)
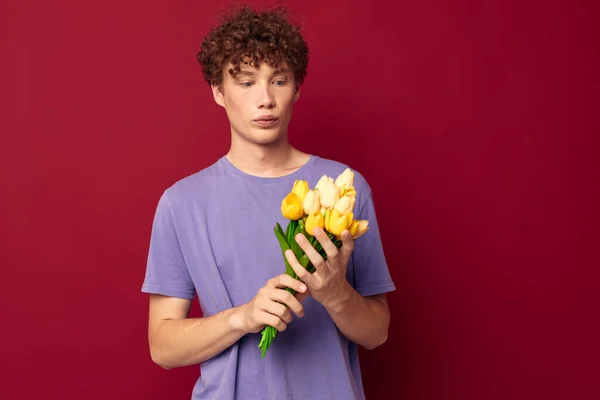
(476, 123)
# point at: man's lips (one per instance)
(267, 122)
(267, 118)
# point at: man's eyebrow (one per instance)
(282, 71)
(276, 72)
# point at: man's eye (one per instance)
(280, 83)
(246, 84)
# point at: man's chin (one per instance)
(267, 142)
(266, 138)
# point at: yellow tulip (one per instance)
(345, 204)
(329, 193)
(291, 207)
(311, 202)
(337, 223)
(358, 228)
(346, 179)
(313, 220)
(300, 188)
(346, 191)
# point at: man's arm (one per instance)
(177, 341)
(363, 320)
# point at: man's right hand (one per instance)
(272, 305)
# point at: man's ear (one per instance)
(218, 94)
(297, 94)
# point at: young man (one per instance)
(213, 236)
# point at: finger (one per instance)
(274, 321)
(347, 245)
(326, 243)
(301, 272)
(315, 258)
(285, 297)
(278, 310)
(286, 281)
(302, 296)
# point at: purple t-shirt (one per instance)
(213, 236)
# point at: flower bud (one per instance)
(314, 220)
(345, 204)
(329, 193)
(291, 207)
(346, 179)
(300, 188)
(337, 223)
(311, 202)
(358, 228)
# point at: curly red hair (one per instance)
(251, 37)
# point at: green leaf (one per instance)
(291, 228)
(294, 244)
(284, 246)
(280, 229)
(281, 239)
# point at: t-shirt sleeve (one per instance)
(166, 270)
(371, 274)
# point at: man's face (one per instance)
(258, 102)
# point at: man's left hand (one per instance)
(328, 284)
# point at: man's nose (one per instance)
(266, 99)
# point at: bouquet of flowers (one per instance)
(328, 206)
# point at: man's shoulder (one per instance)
(192, 185)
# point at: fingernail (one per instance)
(302, 287)
(317, 230)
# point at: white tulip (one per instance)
(345, 204)
(345, 179)
(329, 192)
(311, 202)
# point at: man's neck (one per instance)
(268, 161)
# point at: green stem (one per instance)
(287, 241)
(269, 333)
